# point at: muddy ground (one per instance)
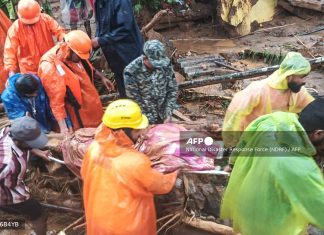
(205, 37)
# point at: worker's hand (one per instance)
(95, 43)
(42, 154)
(106, 82)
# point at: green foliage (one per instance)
(151, 4)
(267, 56)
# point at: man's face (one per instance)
(23, 146)
(147, 63)
(32, 95)
(317, 138)
(74, 57)
(295, 82)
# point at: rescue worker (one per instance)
(118, 36)
(118, 181)
(29, 37)
(150, 81)
(67, 77)
(281, 91)
(15, 145)
(276, 187)
(25, 95)
(4, 26)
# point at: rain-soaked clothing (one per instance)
(155, 91)
(119, 36)
(26, 44)
(119, 185)
(266, 96)
(57, 73)
(4, 26)
(17, 105)
(275, 188)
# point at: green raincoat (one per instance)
(275, 188)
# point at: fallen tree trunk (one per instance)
(237, 76)
(154, 21)
(222, 79)
(316, 5)
(200, 11)
(208, 226)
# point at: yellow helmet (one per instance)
(124, 113)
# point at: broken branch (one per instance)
(73, 224)
(169, 221)
(154, 21)
(307, 49)
(227, 66)
(79, 226)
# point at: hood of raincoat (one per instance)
(273, 179)
(293, 64)
(112, 143)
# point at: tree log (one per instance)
(208, 226)
(316, 5)
(237, 76)
(154, 21)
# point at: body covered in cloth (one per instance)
(160, 142)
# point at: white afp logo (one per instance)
(208, 141)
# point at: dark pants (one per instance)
(117, 66)
(33, 211)
(119, 78)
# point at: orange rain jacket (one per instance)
(118, 186)
(25, 44)
(4, 26)
(57, 73)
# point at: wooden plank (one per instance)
(178, 114)
(317, 5)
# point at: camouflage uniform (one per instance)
(154, 90)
